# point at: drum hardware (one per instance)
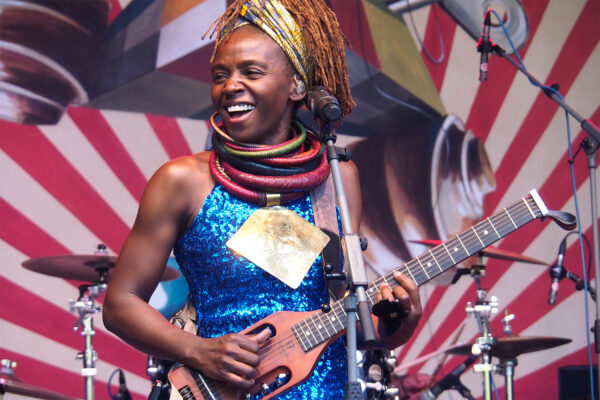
(10, 384)
(375, 368)
(96, 268)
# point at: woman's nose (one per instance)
(233, 85)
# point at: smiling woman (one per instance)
(205, 206)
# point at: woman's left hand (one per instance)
(404, 312)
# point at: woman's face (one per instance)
(253, 87)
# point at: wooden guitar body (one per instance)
(283, 363)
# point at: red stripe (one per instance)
(168, 132)
(577, 49)
(22, 234)
(542, 384)
(355, 25)
(431, 42)
(115, 9)
(36, 155)
(32, 312)
(554, 194)
(491, 94)
(47, 376)
(432, 303)
(95, 128)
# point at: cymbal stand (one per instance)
(483, 310)
(85, 307)
(507, 365)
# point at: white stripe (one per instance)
(75, 147)
(460, 80)
(192, 24)
(420, 16)
(556, 24)
(32, 200)
(584, 97)
(36, 346)
(195, 132)
(138, 137)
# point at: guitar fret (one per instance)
(312, 318)
(529, 208)
(453, 262)
(482, 245)
(423, 267)
(490, 221)
(307, 333)
(411, 274)
(299, 337)
(325, 325)
(511, 220)
(436, 262)
(461, 243)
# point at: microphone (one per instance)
(484, 46)
(448, 381)
(557, 272)
(323, 104)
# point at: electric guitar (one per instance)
(300, 338)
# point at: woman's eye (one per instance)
(219, 77)
(254, 73)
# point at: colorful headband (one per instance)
(271, 17)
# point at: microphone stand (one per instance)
(591, 149)
(356, 277)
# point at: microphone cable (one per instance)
(550, 89)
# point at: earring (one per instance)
(300, 86)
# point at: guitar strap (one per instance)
(325, 213)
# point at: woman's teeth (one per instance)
(240, 108)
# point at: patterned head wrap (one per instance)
(271, 17)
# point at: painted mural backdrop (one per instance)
(437, 151)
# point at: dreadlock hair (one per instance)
(323, 38)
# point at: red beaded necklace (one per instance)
(268, 175)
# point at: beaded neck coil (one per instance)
(268, 175)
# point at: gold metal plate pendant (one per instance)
(281, 242)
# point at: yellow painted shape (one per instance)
(398, 55)
(175, 8)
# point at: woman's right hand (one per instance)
(231, 358)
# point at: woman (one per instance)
(267, 55)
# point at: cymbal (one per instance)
(82, 267)
(491, 252)
(513, 346)
(12, 385)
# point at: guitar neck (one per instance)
(320, 326)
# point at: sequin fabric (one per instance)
(230, 293)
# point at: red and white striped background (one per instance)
(68, 187)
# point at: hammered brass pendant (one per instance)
(281, 242)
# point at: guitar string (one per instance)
(440, 250)
(518, 214)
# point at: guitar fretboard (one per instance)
(320, 326)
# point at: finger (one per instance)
(385, 293)
(402, 297)
(239, 381)
(410, 286)
(262, 337)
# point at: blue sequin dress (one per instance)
(231, 293)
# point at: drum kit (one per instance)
(485, 348)
(95, 270)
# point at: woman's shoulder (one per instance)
(184, 171)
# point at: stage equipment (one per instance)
(96, 269)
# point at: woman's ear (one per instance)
(298, 89)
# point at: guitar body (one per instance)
(282, 354)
